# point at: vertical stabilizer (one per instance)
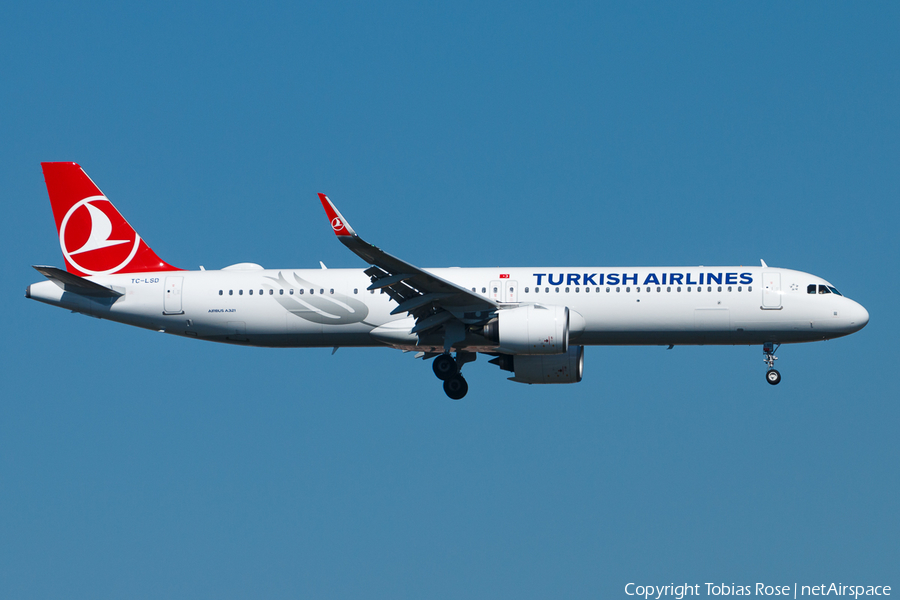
(94, 237)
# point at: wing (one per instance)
(434, 302)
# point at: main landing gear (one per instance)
(448, 370)
(772, 375)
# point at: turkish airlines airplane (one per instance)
(534, 322)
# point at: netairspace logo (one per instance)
(678, 592)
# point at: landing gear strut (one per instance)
(772, 375)
(447, 369)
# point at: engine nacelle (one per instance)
(531, 329)
(551, 368)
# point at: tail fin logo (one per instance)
(85, 237)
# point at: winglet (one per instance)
(338, 223)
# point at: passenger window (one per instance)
(526, 290)
(372, 292)
(628, 289)
(281, 292)
(689, 288)
(739, 288)
(729, 288)
(314, 291)
(291, 291)
(321, 291)
(557, 290)
(720, 288)
(220, 292)
(709, 289)
(260, 292)
(331, 291)
(678, 289)
(537, 290)
(658, 289)
(587, 290)
(749, 288)
(250, 292)
(231, 292)
(811, 288)
(355, 290)
(576, 290)
(669, 288)
(483, 290)
(597, 290)
(618, 289)
(240, 292)
(495, 290)
(607, 290)
(301, 291)
(567, 290)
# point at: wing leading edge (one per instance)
(433, 301)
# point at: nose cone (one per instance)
(859, 316)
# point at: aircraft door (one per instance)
(495, 292)
(504, 290)
(172, 300)
(771, 291)
(510, 291)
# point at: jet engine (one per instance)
(550, 368)
(531, 329)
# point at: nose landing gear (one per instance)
(772, 375)
(448, 370)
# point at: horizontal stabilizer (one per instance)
(75, 284)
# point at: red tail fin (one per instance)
(95, 238)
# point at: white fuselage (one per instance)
(332, 307)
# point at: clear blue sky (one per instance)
(138, 465)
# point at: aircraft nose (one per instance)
(859, 316)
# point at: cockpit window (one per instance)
(811, 288)
(834, 290)
(823, 289)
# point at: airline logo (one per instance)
(95, 239)
(337, 221)
(688, 278)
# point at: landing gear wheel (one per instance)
(445, 367)
(773, 377)
(456, 387)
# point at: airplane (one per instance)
(533, 322)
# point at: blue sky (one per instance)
(139, 465)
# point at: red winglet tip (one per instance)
(337, 221)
